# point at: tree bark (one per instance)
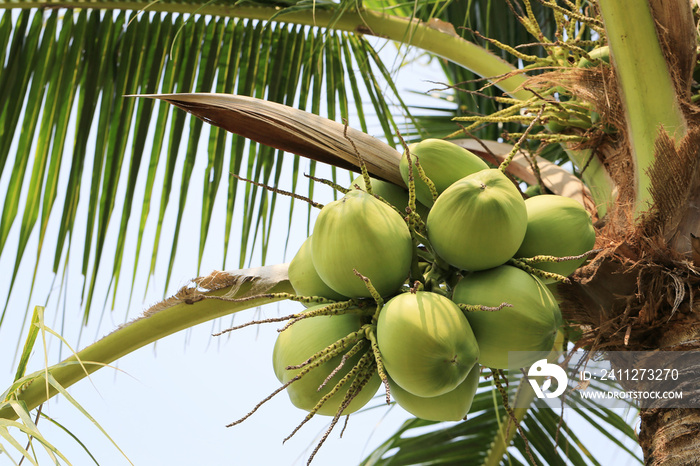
(670, 437)
(640, 300)
(639, 293)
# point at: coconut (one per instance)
(304, 339)
(451, 406)
(426, 343)
(478, 222)
(511, 337)
(557, 226)
(361, 232)
(394, 195)
(305, 279)
(443, 162)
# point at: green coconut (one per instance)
(557, 226)
(361, 232)
(394, 195)
(307, 337)
(426, 343)
(451, 406)
(512, 337)
(478, 222)
(443, 162)
(305, 279)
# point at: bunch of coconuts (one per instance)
(420, 295)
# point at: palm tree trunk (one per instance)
(641, 299)
(669, 437)
(647, 307)
(638, 294)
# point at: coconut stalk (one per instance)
(210, 297)
(524, 396)
(646, 87)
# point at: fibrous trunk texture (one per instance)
(670, 437)
(646, 306)
(639, 293)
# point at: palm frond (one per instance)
(73, 139)
(548, 437)
(206, 298)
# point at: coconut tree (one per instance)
(535, 75)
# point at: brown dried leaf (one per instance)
(229, 284)
(675, 21)
(675, 189)
(695, 245)
(291, 130)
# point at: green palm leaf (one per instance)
(178, 49)
(79, 109)
(478, 439)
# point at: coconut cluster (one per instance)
(421, 288)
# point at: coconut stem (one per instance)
(330, 351)
(280, 191)
(352, 373)
(511, 50)
(497, 375)
(352, 352)
(426, 180)
(553, 138)
(372, 337)
(411, 180)
(538, 272)
(334, 308)
(364, 375)
(333, 185)
(253, 322)
(479, 307)
(516, 146)
(268, 398)
(545, 258)
(343, 307)
(511, 110)
(373, 291)
(363, 167)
